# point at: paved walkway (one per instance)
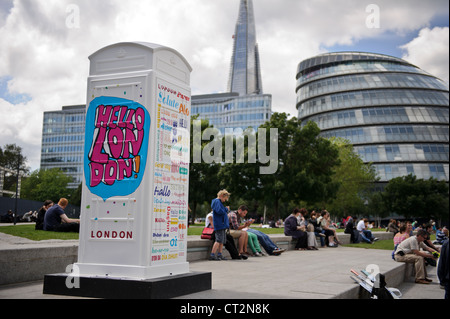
(323, 274)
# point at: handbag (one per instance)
(207, 232)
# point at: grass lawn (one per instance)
(28, 231)
(197, 230)
(380, 244)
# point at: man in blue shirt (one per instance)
(56, 220)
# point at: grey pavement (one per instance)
(322, 274)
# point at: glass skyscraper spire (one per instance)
(245, 72)
(243, 105)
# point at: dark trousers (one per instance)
(229, 245)
(446, 296)
(68, 228)
(302, 240)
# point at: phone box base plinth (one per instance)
(125, 288)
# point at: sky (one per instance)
(45, 45)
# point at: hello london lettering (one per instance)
(116, 143)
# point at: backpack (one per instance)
(381, 292)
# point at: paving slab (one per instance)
(322, 274)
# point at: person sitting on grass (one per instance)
(56, 220)
(41, 214)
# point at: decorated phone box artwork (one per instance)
(116, 146)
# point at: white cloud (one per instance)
(430, 52)
(47, 60)
(21, 125)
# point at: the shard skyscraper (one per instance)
(245, 72)
(243, 105)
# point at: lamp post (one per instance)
(19, 158)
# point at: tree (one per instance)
(376, 205)
(46, 184)
(240, 175)
(412, 197)
(75, 195)
(203, 177)
(11, 157)
(312, 161)
(305, 164)
(354, 179)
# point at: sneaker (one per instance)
(243, 257)
(422, 281)
(257, 254)
(332, 245)
(375, 239)
(221, 257)
(213, 257)
(276, 253)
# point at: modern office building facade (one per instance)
(244, 105)
(63, 141)
(395, 114)
(232, 111)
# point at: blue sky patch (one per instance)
(389, 42)
(11, 98)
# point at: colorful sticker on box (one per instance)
(116, 146)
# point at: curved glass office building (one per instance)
(395, 114)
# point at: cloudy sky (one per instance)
(45, 45)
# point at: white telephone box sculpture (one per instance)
(134, 212)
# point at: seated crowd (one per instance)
(305, 228)
(416, 247)
(51, 217)
(309, 230)
(228, 226)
